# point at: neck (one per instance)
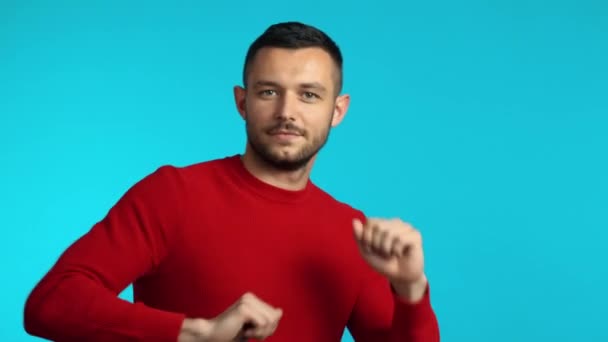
(288, 180)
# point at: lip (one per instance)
(285, 133)
(284, 137)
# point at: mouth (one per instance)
(285, 133)
(284, 136)
(285, 130)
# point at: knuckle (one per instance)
(417, 236)
(240, 306)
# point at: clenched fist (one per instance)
(248, 317)
(394, 249)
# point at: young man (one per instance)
(246, 247)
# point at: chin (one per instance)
(288, 157)
(287, 161)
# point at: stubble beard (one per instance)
(275, 159)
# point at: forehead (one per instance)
(289, 66)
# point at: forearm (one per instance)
(77, 300)
(411, 292)
(381, 314)
(194, 330)
(67, 307)
(414, 318)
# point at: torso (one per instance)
(301, 258)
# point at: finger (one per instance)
(256, 328)
(406, 241)
(397, 247)
(368, 233)
(378, 237)
(358, 229)
(387, 244)
(252, 319)
(268, 317)
(278, 313)
(261, 332)
(272, 317)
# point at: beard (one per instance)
(276, 159)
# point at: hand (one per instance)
(249, 317)
(394, 249)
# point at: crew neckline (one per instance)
(266, 190)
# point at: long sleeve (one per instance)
(78, 299)
(380, 315)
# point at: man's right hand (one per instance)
(248, 317)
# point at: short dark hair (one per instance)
(294, 35)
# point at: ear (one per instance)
(340, 109)
(240, 95)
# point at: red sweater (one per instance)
(192, 240)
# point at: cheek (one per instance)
(260, 115)
(321, 119)
(260, 107)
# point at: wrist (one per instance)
(412, 291)
(194, 330)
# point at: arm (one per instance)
(77, 299)
(381, 314)
(394, 299)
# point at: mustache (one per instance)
(286, 127)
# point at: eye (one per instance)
(267, 92)
(310, 96)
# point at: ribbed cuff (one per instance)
(157, 325)
(414, 314)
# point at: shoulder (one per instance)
(211, 164)
(336, 206)
(190, 171)
(172, 177)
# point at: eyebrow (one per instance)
(308, 85)
(313, 85)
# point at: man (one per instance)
(246, 247)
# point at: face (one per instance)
(290, 105)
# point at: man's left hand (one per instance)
(394, 249)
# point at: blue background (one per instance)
(483, 123)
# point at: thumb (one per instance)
(358, 228)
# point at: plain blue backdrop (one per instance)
(483, 123)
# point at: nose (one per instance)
(287, 106)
